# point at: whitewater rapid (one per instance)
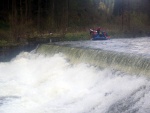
(34, 83)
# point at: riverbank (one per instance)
(8, 39)
(9, 49)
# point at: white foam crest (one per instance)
(42, 84)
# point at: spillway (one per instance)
(129, 63)
(58, 78)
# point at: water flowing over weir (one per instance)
(129, 63)
(50, 83)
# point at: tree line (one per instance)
(22, 17)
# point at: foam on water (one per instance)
(33, 83)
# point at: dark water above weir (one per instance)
(9, 52)
(62, 79)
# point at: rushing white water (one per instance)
(33, 83)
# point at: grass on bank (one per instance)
(77, 36)
(4, 43)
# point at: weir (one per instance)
(125, 62)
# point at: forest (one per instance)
(27, 18)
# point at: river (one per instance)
(38, 83)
